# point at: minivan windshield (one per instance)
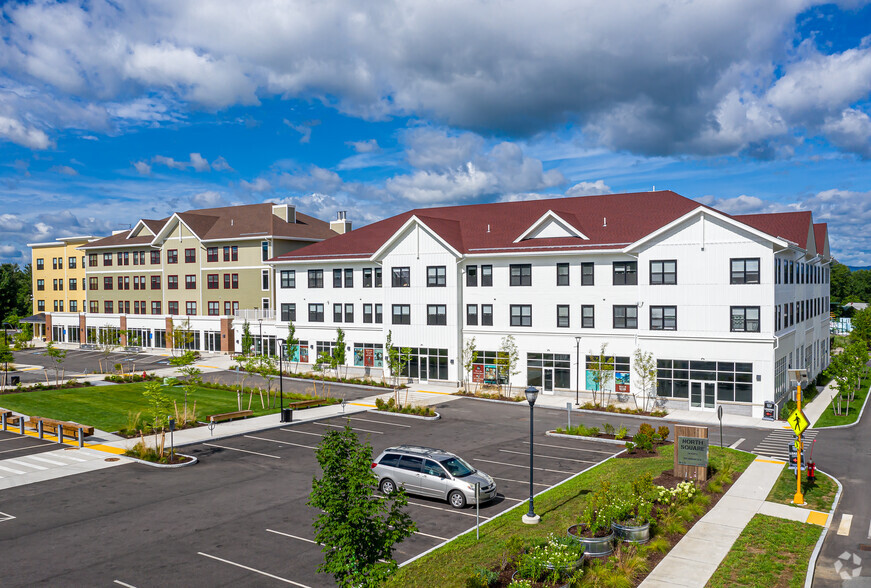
(457, 467)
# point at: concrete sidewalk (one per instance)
(699, 553)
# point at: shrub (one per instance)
(609, 429)
(551, 560)
(643, 441)
(621, 433)
(391, 406)
(663, 432)
(646, 429)
(788, 407)
(630, 447)
(482, 578)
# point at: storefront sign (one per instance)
(692, 451)
(368, 357)
(478, 373)
(621, 382)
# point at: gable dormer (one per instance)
(140, 230)
(552, 225)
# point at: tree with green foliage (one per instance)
(247, 339)
(292, 344)
(15, 292)
(182, 336)
(58, 356)
(193, 377)
(6, 357)
(395, 359)
(846, 369)
(862, 326)
(470, 356)
(603, 373)
(645, 369)
(839, 282)
(357, 527)
(338, 355)
(508, 359)
(108, 339)
(159, 406)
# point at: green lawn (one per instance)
(830, 419)
(559, 508)
(818, 496)
(107, 407)
(770, 552)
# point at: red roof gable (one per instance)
(793, 226)
(820, 234)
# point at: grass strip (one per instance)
(559, 508)
(818, 495)
(770, 552)
(830, 419)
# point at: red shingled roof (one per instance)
(820, 234)
(793, 226)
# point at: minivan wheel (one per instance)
(387, 486)
(457, 499)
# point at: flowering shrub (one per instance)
(551, 559)
(683, 492)
(520, 583)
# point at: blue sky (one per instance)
(111, 112)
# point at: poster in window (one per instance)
(621, 380)
(358, 356)
(303, 353)
(478, 373)
(378, 357)
(592, 386)
(490, 374)
(369, 357)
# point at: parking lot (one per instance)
(80, 362)
(239, 517)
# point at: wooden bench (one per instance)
(305, 403)
(51, 425)
(227, 416)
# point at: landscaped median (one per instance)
(506, 543)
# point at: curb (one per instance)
(409, 416)
(508, 402)
(382, 389)
(193, 460)
(564, 436)
(812, 562)
(858, 419)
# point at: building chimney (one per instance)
(286, 212)
(341, 225)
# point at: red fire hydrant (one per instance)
(811, 471)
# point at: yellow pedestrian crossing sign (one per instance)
(798, 422)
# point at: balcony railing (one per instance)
(255, 314)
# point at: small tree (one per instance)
(267, 367)
(182, 336)
(645, 369)
(338, 355)
(193, 378)
(508, 359)
(357, 527)
(603, 373)
(58, 356)
(247, 339)
(6, 357)
(394, 359)
(108, 340)
(292, 344)
(470, 356)
(861, 322)
(158, 409)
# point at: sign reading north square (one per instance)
(692, 451)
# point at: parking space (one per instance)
(14, 445)
(80, 362)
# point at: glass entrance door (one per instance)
(548, 380)
(702, 395)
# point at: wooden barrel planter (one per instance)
(632, 533)
(594, 546)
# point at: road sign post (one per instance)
(798, 422)
(720, 416)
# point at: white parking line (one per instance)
(514, 465)
(353, 428)
(19, 438)
(453, 510)
(256, 571)
(548, 456)
(301, 432)
(379, 422)
(844, 527)
(519, 481)
(120, 583)
(5, 517)
(282, 442)
(292, 536)
(573, 448)
(430, 536)
(242, 450)
(869, 531)
(20, 449)
(5, 469)
(737, 443)
(24, 463)
(515, 499)
(42, 459)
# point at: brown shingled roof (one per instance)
(794, 226)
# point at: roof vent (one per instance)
(341, 225)
(604, 221)
(488, 228)
(286, 212)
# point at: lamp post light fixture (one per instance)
(578, 375)
(260, 320)
(531, 518)
(281, 381)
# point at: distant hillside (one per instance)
(859, 267)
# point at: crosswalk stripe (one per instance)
(70, 457)
(24, 463)
(42, 459)
(10, 470)
(844, 527)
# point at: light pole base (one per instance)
(798, 498)
(531, 520)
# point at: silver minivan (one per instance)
(432, 472)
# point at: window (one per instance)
(172, 256)
(155, 282)
(94, 306)
(367, 313)
(212, 281)
(40, 305)
(472, 314)
(264, 279)
(472, 276)
(521, 315)
(588, 316)
(55, 306)
(92, 260)
(349, 278)
(436, 314)
(337, 313)
(487, 315)
(264, 250)
(172, 307)
(136, 284)
(71, 263)
(288, 312)
(108, 306)
(74, 284)
(190, 282)
(126, 282)
(40, 284)
(214, 309)
(40, 262)
(288, 278)
(211, 254)
(226, 253)
(316, 278)
(349, 313)
(663, 272)
(625, 317)
(337, 278)
(486, 275)
(367, 277)
(587, 274)
(60, 263)
(107, 283)
(155, 307)
(401, 314)
(54, 284)
(379, 314)
(436, 276)
(74, 306)
(155, 257)
(172, 282)
(377, 277)
(625, 273)
(316, 313)
(93, 283)
(562, 316)
(190, 255)
(663, 318)
(521, 274)
(234, 278)
(745, 271)
(107, 259)
(562, 274)
(401, 277)
(190, 308)
(745, 319)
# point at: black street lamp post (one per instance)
(281, 381)
(578, 375)
(531, 518)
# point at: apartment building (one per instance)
(196, 268)
(726, 304)
(58, 273)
